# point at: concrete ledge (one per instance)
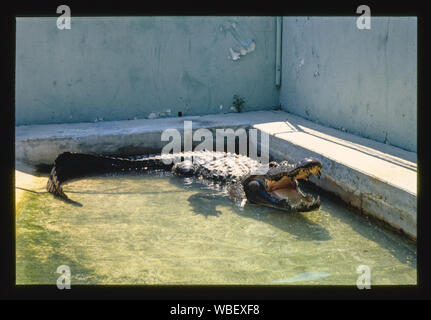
(378, 179)
(40, 144)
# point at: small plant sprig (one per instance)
(238, 103)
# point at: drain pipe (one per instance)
(278, 53)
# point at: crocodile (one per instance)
(247, 180)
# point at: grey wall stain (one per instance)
(243, 40)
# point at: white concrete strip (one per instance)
(387, 163)
(379, 179)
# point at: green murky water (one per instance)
(166, 230)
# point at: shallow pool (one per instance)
(168, 230)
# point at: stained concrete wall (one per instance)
(360, 81)
(117, 68)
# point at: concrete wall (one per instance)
(361, 81)
(117, 68)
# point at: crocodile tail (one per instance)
(69, 166)
(54, 186)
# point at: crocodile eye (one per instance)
(253, 186)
